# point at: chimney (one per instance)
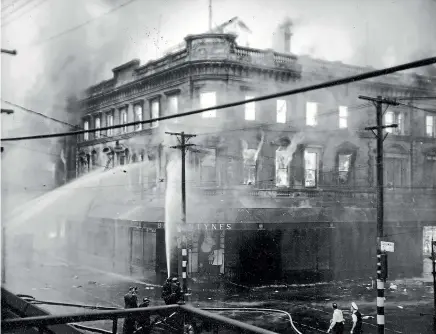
(283, 37)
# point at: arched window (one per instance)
(134, 158)
(123, 119)
(396, 166)
(345, 159)
(94, 159)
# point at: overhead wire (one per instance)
(67, 31)
(29, 9)
(336, 82)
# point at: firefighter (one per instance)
(166, 291)
(130, 301)
(171, 291)
(144, 321)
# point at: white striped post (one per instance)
(380, 293)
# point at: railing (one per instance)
(209, 321)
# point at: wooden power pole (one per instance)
(381, 256)
(183, 139)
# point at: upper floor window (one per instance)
(311, 113)
(343, 117)
(123, 119)
(208, 167)
(430, 170)
(249, 156)
(281, 111)
(155, 112)
(250, 109)
(392, 117)
(97, 126)
(311, 170)
(430, 124)
(138, 116)
(207, 100)
(86, 127)
(344, 164)
(173, 106)
(109, 122)
(282, 175)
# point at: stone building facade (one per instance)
(285, 185)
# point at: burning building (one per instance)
(282, 189)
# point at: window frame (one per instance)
(86, 124)
(280, 113)
(342, 117)
(109, 116)
(249, 109)
(204, 104)
(97, 133)
(170, 98)
(396, 117)
(276, 168)
(154, 102)
(140, 105)
(432, 125)
(316, 104)
(123, 111)
(318, 154)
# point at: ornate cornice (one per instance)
(217, 69)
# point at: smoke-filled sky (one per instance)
(373, 32)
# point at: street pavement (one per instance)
(309, 305)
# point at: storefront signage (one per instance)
(204, 226)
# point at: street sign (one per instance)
(387, 246)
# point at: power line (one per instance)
(415, 107)
(25, 12)
(83, 24)
(16, 9)
(336, 82)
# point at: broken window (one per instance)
(109, 122)
(311, 113)
(344, 165)
(250, 109)
(138, 116)
(123, 115)
(282, 175)
(430, 170)
(310, 168)
(97, 126)
(395, 118)
(343, 117)
(208, 167)
(281, 111)
(430, 126)
(395, 171)
(207, 100)
(86, 127)
(155, 112)
(249, 156)
(173, 106)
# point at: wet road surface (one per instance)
(310, 306)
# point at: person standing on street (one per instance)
(130, 301)
(337, 322)
(357, 319)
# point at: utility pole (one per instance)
(183, 139)
(381, 272)
(433, 261)
(3, 236)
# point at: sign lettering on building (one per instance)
(204, 226)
